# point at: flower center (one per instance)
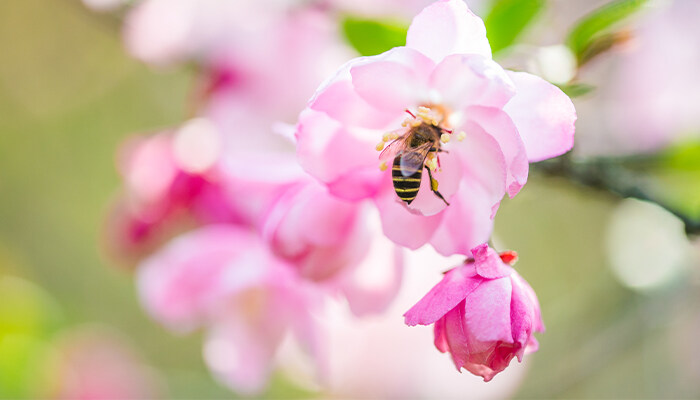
(425, 118)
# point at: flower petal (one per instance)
(241, 356)
(487, 311)
(395, 83)
(448, 177)
(457, 284)
(522, 318)
(544, 115)
(440, 338)
(538, 325)
(457, 335)
(182, 283)
(369, 291)
(342, 103)
(335, 154)
(466, 223)
(488, 263)
(483, 164)
(402, 226)
(448, 27)
(498, 124)
(463, 80)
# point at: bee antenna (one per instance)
(410, 113)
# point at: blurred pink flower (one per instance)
(316, 231)
(96, 364)
(484, 314)
(223, 278)
(496, 121)
(171, 184)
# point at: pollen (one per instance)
(445, 137)
(461, 135)
(380, 146)
(432, 164)
(383, 166)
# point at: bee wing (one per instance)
(393, 149)
(413, 160)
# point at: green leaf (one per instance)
(370, 37)
(507, 20)
(576, 89)
(684, 156)
(598, 22)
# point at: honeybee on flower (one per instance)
(500, 119)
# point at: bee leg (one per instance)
(434, 186)
(439, 150)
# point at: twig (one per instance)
(611, 176)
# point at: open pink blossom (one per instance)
(224, 278)
(489, 122)
(484, 313)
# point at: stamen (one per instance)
(380, 146)
(383, 166)
(444, 138)
(386, 137)
(410, 113)
(461, 135)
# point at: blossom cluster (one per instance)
(245, 219)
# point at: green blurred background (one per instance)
(69, 95)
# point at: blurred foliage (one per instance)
(371, 37)
(592, 32)
(574, 90)
(507, 19)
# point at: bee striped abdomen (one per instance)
(406, 187)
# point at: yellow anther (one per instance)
(445, 137)
(434, 122)
(383, 166)
(461, 135)
(423, 110)
(393, 136)
(416, 123)
(386, 137)
(380, 146)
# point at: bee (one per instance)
(410, 151)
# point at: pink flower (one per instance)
(170, 184)
(318, 232)
(334, 243)
(94, 363)
(484, 313)
(223, 278)
(486, 121)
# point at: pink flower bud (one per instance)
(484, 314)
